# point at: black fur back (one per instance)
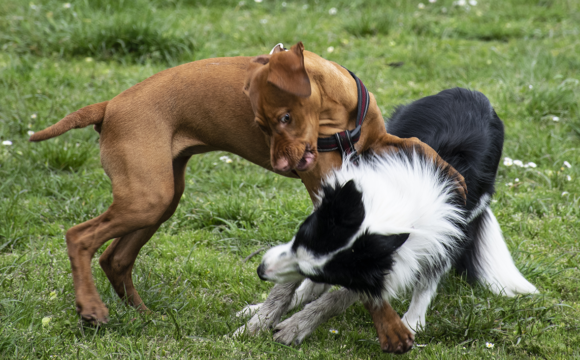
(464, 129)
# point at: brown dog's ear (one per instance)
(287, 71)
(278, 48)
(262, 59)
(255, 64)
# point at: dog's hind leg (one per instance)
(143, 189)
(118, 259)
(306, 292)
(414, 318)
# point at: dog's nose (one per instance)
(261, 272)
(281, 164)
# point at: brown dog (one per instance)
(270, 110)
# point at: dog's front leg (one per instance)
(308, 291)
(394, 336)
(271, 311)
(296, 328)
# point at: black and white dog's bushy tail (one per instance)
(489, 260)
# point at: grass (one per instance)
(57, 59)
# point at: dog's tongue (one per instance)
(306, 161)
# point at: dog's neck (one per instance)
(339, 101)
(338, 94)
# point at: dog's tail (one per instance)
(89, 115)
(491, 260)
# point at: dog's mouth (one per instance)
(307, 159)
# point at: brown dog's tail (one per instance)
(89, 115)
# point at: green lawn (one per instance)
(56, 58)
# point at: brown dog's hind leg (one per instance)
(142, 191)
(118, 259)
(394, 336)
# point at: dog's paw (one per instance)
(93, 312)
(399, 339)
(249, 310)
(413, 324)
(259, 322)
(293, 330)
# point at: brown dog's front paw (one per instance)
(398, 339)
(95, 313)
(394, 336)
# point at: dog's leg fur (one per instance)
(296, 328)
(118, 259)
(306, 292)
(143, 191)
(394, 336)
(271, 311)
(414, 318)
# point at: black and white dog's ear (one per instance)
(346, 205)
(393, 242)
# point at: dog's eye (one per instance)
(285, 119)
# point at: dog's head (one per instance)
(285, 107)
(332, 247)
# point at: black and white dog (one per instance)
(394, 222)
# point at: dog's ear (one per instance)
(278, 48)
(287, 71)
(346, 205)
(393, 242)
(255, 64)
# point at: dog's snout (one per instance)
(261, 272)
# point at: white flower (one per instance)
(432, 1)
(459, 3)
(258, 1)
(330, 49)
(33, 116)
(88, 59)
(422, 345)
(284, 4)
(509, 184)
(332, 11)
(7, 142)
(66, 5)
(472, 2)
(530, 87)
(225, 159)
(516, 180)
(565, 193)
(508, 161)
(333, 331)
(46, 320)
(555, 118)
(264, 21)
(444, 10)
(489, 345)
(305, 6)
(421, 6)
(30, 132)
(569, 178)
(567, 164)
(518, 163)
(532, 164)
(32, 6)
